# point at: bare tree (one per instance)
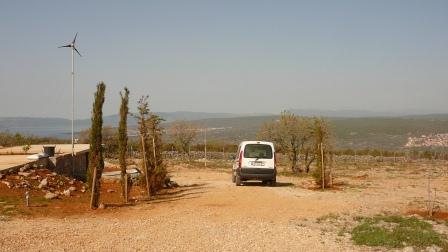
(290, 133)
(322, 149)
(309, 154)
(142, 117)
(158, 167)
(150, 130)
(183, 134)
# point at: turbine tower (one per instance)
(73, 47)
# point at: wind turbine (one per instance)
(73, 47)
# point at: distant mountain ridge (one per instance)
(61, 127)
(388, 132)
(112, 120)
(361, 113)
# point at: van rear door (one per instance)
(258, 155)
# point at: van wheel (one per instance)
(237, 180)
(273, 182)
(233, 177)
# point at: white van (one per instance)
(255, 160)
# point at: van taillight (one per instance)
(240, 160)
(275, 159)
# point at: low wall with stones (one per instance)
(63, 165)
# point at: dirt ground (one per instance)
(209, 213)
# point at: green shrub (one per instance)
(397, 232)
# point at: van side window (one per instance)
(238, 152)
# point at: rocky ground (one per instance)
(208, 212)
(35, 179)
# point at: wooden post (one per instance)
(145, 166)
(331, 169)
(92, 196)
(323, 169)
(429, 204)
(205, 148)
(154, 152)
(27, 198)
(126, 187)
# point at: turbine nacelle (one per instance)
(72, 45)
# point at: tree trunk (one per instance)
(145, 166)
(293, 162)
(323, 166)
(95, 195)
(308, 162)
(295, 166)
(330, 172)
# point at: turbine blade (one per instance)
(74, 40)
(64, 46)
(77, 51)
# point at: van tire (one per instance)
(237, 180)
(273, 182)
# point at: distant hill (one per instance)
(341, 113)
(358, 133)
(112, 120)
(61, 127)
(387, 132)
(56, 127)
(433, 117)
(362, 113)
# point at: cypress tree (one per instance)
(123, 139)
(96, 159)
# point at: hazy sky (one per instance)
(225, 56)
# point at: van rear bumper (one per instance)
(257, 173)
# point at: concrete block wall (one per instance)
(62, 164)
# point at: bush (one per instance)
(317, 175)
(397, 232)
(9, 139)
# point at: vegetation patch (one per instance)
(10, 207)
(397, 232)
(331, 217)
(211, 164)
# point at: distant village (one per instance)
(433, 140)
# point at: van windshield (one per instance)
(263, 151)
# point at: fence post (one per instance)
(323, 169)
(126, 187)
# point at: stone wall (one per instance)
(63, 165)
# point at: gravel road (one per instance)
(206, 213)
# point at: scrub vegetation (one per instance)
(397, 232)
(309, 139)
